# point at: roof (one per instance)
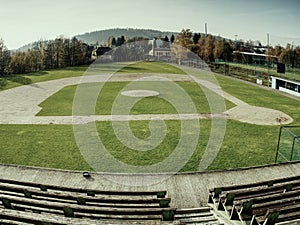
(254, 54)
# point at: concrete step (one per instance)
(191, 215)
(209, 219)
(193, 210)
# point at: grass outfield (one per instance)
(54, 145)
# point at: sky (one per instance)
(26, 21)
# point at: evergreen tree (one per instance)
(5, 58)
(59, 53)
(120, 41)
(227, 52)
(172, 38)
(166, 39)
(196, 38)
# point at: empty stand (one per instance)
(201, 216)
(269, 202)
(32, 203)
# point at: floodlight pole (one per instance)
(268, 42)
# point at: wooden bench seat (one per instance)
(107, 212)
(254, 203)
(22, 218)
(158, 193)
(88, 200)
(286, 213)
(260, 191)
(215, 192)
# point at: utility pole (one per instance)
(268, 42)
(205, 29)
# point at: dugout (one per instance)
(284, 85)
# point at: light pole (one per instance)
(268, 42)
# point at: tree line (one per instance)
(210, 48)
(288, 55)
(207, 47)
(63, 52)
(44, 55)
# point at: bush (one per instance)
(3, 82)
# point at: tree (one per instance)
(166, 39)
(200, 44)
(38, 56)
(207, 48)
(184, 38)
(218, 48)
(120, 40)
(111, 41)
(196, 38)
(59, 53)
(77, 52)
(49, 55)
(297, 56)
(227, 51)
(5, 58)
(180, 44)
(172, 38)
(285, 55)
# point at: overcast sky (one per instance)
(25, 21)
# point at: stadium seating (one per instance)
(268, 202)
(32, 203)
(202, 215)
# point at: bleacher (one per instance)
(197, 216)
(269, 202)
(33, 203)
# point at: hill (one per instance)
(102, 35)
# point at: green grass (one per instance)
(144, 158)
(30, 78)
(151, 67)
(61, 103)
(41, 145)
(246, 145)
(54, 145)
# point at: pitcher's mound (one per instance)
(140, 93)
(258, 115)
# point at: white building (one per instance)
(284, 85)
(160, 49)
